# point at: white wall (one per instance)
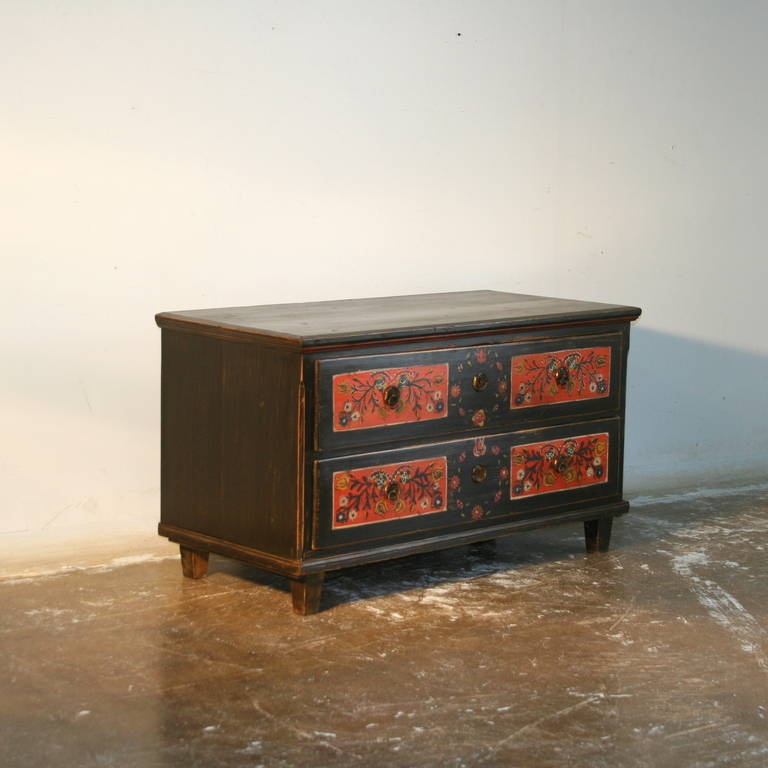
(174, 155)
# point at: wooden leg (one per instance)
(597, 534)
(194, 563)
(306, 592)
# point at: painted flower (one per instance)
(430, 407)
(504, 473)
(549, 454)
(518, 458)
(381, 507)
(570, 448)
(437, 395)
(599, 376)
(454, 482)
(519, 399)
(477, 512)
(601, 387)
(344, 500)
(348, 406)
(404, 475)
(520, 474)
(592, 386)
(598, 472)
(481, 355)
(379, 383)
(341, 516)
(590, 472)
(527, 485)
(380, 478)
(597, 461)
(353, 514)
(552, 364)
(479, 447)
(424, 503)
(343, 419)
(570, 475)
(600, 447)
(355, 416)
(549, 478)
(528, 397)
(522, 387)
(478, 418)
(342, 482)
(455, 391)
(437, 501)
(437, 473)
(403, 379)
(572, 360)
(518, 488)
(440, 406)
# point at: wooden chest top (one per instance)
(351, 321)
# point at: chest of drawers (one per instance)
(303, 438)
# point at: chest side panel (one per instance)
(231, 441)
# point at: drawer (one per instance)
(470, 482)
(374, 399)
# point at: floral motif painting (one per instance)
(558, 465)
(479, 408)
(389, 491)
(461, 486)
(562, 376)
(359, 398)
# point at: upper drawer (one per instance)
(364, 400)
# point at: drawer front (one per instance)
(365, 400)
(477, 481)
(560, 376)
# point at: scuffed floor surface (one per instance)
(655, 654)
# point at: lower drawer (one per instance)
(470, 482)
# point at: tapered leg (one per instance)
(194, 563)
(598, 534)
(306, 592)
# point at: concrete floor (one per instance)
(655, 654)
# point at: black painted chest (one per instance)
(309, 437)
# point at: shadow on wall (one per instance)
(697, 413)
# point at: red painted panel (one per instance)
(388, 491)
(558, 465)
(542, 378)
(358, 397)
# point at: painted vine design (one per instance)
(553, 466)
(535, 377)
(360, 396)
(386, 492)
